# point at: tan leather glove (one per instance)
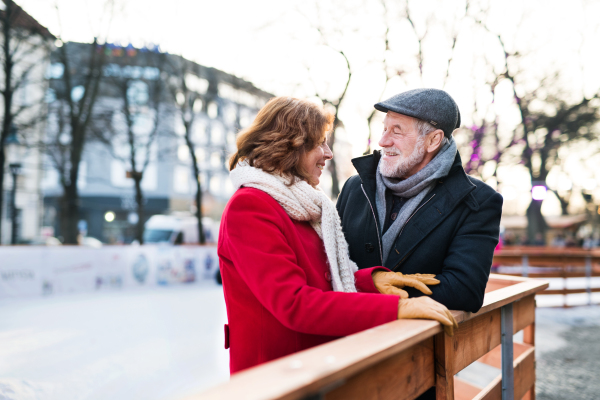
(427, 308)
(392, 282)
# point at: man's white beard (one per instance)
(403, 165)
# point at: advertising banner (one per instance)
(37, 271)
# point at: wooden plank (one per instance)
(464, 390)
(510, 294)
(529, 334)
(494, 357)
(494, 284)
(529, 338)
(493, 391)
(306, 372)
(523, 313)
(546, 251)
(444, 361)
(524, 378)
(512, 280)
(524, 373)
(403, 376)
(562, 274)
(530, 395)
(541, 262)
(477, 336)
(569, 291)
(474, 338)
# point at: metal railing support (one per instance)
(588, 275)
(508, 373)
(525, 264)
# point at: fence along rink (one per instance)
(41, 270)
(562, 267)
(402, 359)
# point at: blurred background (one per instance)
(119, 116)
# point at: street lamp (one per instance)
(15, 170)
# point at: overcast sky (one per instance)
(274, 44)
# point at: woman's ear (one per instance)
(435, 140)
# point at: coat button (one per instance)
(369, 247)
(328, 276)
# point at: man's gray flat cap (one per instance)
(432, 105)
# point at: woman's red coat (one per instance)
(277, 285)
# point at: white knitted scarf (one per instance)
(303, 202)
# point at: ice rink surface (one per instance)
(153, 343)
(166, 342)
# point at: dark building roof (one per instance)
(20, 19)
(129, 55)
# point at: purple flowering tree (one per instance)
(547, 122)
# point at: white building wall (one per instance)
(29, 195)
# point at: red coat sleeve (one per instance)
(256, 239)
(363, 279)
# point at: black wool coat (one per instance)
(452, 233)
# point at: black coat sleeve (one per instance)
(468, 261)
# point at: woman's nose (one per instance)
(327, 153)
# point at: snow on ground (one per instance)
(166, 342)
(153, 343)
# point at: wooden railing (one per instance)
(548, 262)
(402, 359)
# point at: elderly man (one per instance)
(413, 209)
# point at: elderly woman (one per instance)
(288, 281)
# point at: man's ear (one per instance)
(435, 141)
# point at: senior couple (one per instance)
(412, 236)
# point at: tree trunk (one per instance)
(7, 95)
(69, 216)
(201, 237)
(196, 171)
(2, 161)
(139, 200)
(335, 182)
(536, 224)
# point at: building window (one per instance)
(118, 175)
(181, 179)
(150, 178)
(212, 110)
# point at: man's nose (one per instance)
(385, 140)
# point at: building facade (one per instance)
(30, 44)
(156, 87)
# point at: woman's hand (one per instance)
(388, 282)
(427, 308)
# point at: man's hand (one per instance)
(427, 308)
(392, 282)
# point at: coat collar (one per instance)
(447, 194)
(366, 166)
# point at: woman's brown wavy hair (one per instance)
(282, 132)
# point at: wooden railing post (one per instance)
(508, 373)
(525, 259)
(444, 367)
(529, 338)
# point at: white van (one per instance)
(179, 228)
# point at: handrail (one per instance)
(402, 359)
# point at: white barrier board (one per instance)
(41, 270)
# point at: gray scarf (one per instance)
(414, 188)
